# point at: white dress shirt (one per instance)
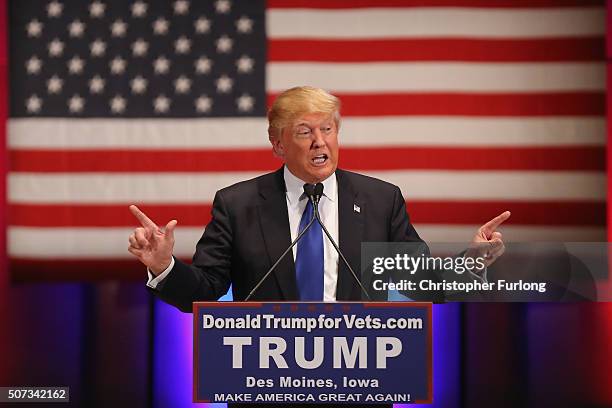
(296, 203)
(328, 209)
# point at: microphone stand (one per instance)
(261, 281)
(314, 193)
(309, 190)
(315, 202)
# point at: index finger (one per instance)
(490, 226)
(144, 220)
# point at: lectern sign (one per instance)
(312, 352)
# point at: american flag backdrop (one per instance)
(472, 107)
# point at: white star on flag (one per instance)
(118, 28)
(223, 6)
(96, 9)
(96, 84)
(54, 9)
(117, 65)
(161, 65)
(56, 48)
(245, 64)
(34, 28)
(203, 104)
(203, 65)
(182, 45)
(76, 104)
(54, 84)
(140, 47)
(33, 65)
(202, 25)
(98, 48)
(160, 26)
(161, 104)
(245, 103)
(76, 28)
(244, 25)
(181, 7)
(138, 84)
(75, 65)
(139, 9)
(33, 104)
(182, 84)
(118, 104)
(224, 44)
(224, 84)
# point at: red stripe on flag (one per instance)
(76, 270)
(116, 215)
(455, 104)
(438, 49)
(523, 213)
(343, 4)
(485, 158)
(363, 158)
(421, 212)
(53, 161)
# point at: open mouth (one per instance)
(319, 160)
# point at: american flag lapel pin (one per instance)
(356, 208)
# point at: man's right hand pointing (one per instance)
(150, 244)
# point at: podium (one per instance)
(312, 352)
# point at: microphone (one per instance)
(314, 192)
(310, 190)
(315, 197)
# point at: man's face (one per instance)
(309, 147)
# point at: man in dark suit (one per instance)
(254, 221)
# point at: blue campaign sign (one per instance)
(312, 352)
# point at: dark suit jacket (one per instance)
(249, 231)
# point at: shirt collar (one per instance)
(295, 186)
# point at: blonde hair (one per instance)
(299, 101)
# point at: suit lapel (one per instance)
(350, 235)
(274, 221)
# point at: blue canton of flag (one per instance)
(138, 59)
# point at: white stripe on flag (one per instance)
(93, 243)
(242, 133)
(141, 134)
(512, 233)
(439, 77)
(421, 22)
(200, 188)
(83, 243)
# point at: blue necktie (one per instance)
(309, 260)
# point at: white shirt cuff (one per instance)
(480, 275)
(155, 280)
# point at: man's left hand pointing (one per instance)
(488, 241)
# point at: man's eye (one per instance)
(303, 132)
(326, 129)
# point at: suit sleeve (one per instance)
(401, 230)
(209, 275)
